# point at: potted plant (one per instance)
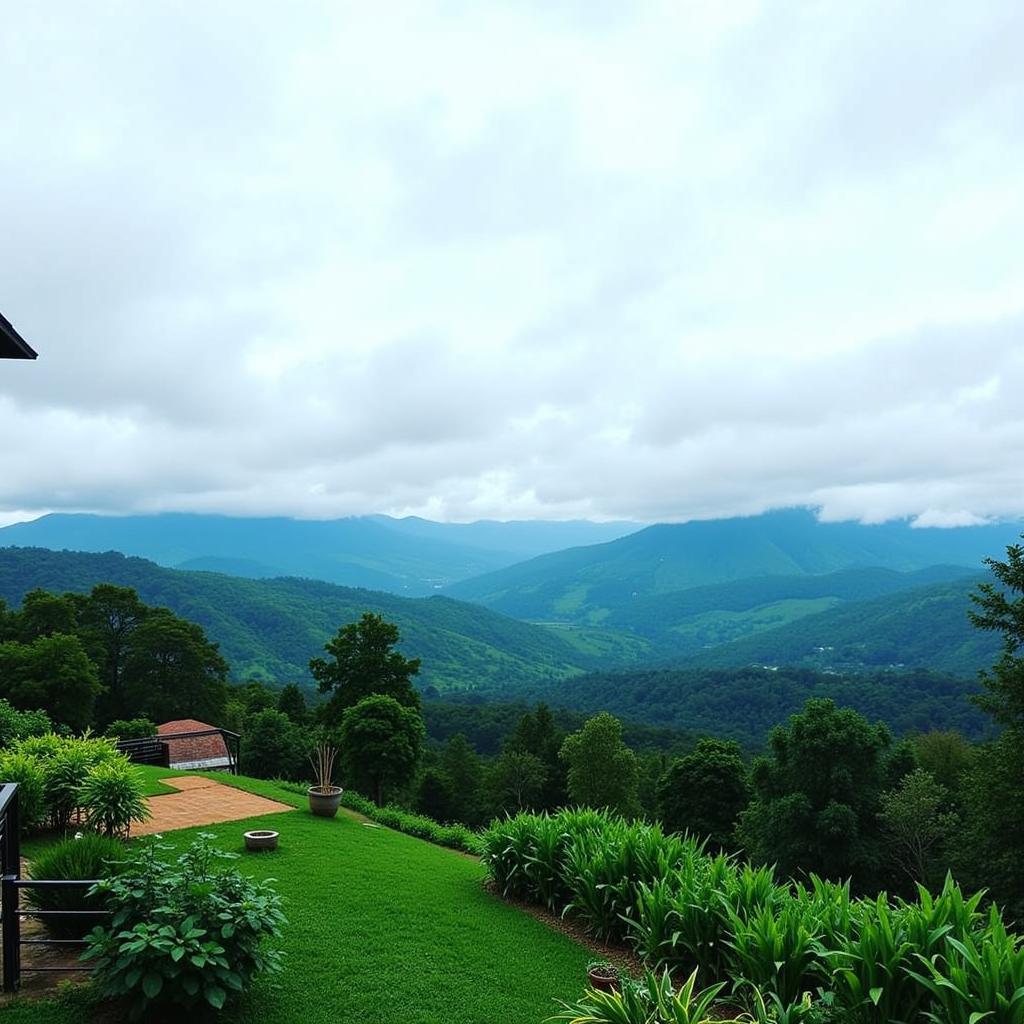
(324, 796)
(602, 976)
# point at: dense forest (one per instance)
(744, 703)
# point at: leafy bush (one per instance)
(27, 772)
(88, 856)
(131, 729)
(183, 935)
(112, 796)
(16, 725)
(64, 761)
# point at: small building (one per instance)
(193, 749)
(12, 344)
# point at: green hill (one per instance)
(923, 627)
(595, 585)
(410, 556)
(688, 621)
(269, 629)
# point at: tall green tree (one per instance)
(917, 824)
(516, 781)
(363, 662)
(52, 673)
(705, 791)
(273, 747)
(291, 702)
(465, 773)
(536, 733)
(990, 851)
(945, 755)
(43, 614)
(817, 793)
(381, 742)
(107, 619)
(1002, 611)
(602, 770)
(173, 671)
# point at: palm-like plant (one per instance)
(652, 1001)
(322, 759)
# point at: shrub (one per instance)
(183, 935)
(16, 725)
(65, 773)
(455, 837)
(27, 771)
(88, 856)
(131, 729)
(112, 796)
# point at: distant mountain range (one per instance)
(780, 589)
(596, 585)
(413, 557)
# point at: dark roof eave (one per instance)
(12, 344)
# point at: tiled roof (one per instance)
(196, 748)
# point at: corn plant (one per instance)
(506, 850)
(650, 927)
(977, 978)
(869, 971)
(778, 951)
(703, 915)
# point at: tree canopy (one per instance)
(363, 662)
(602, 769)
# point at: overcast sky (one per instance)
(552, 259)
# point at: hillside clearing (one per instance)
(382, 927)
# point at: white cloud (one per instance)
(655, 261)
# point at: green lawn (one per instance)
(152, 774)
(382, 927)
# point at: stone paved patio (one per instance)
(202, 802)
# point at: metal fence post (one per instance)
(10, 919)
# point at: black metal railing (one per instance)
(11, 910)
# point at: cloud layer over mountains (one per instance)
(647, 261)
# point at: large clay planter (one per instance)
(324, 803)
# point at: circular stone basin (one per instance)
(261, 840)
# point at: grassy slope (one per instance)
(384, 928)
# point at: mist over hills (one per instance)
(410, 556)
(594, 585)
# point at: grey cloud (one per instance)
(507, 260)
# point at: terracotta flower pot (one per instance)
(324, 803)
(604, 979)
